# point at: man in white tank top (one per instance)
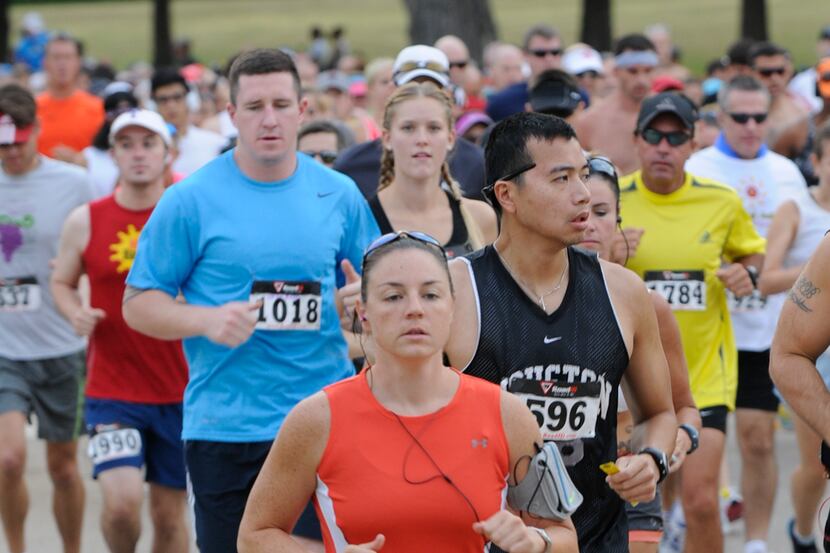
(764, 180)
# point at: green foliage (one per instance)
(121, 30)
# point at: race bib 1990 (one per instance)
(288, 305)
(564, 411)
(683, 290)
(112, 443)
(753, 302)
(19, 294)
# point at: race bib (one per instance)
(288, 305)
(684, 290)
(114, 443)
(746, 304)
(563, 411)
(19, 294)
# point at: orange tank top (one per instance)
(374, 478)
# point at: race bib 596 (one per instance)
(288, 305)
(564, 411)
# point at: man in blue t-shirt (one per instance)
(253, 241)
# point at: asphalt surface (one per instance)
(42, 535)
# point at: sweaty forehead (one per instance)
(557, 152)
(268, 86)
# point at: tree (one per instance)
(596, 24)
(470, 20)
(162, 44)
(4, 32)
(754, 19)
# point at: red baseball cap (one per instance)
(11, 133)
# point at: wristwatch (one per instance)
(659, 459)
(694, 436)
(753, 274)
(548, 541)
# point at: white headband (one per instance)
(637, 57)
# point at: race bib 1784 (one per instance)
(683, 290)
(288, 305)
(564, 411)
(19, 294)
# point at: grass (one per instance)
(121, 31)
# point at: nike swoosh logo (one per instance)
(324, 194)
(552, 340)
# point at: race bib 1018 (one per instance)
(564, 411)
(288, 305)
(683, 290)
(19, 294)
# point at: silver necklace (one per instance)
(527, 288)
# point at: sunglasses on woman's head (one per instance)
(603, 166)
(391, 237)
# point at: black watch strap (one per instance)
(694, 436)
(659, 459)
(753, 275)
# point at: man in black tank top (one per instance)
(561, 328)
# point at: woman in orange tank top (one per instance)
(410, 455)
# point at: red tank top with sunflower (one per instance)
(123, 364)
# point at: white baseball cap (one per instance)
(579, 59)
(143, 118)
(421, 60)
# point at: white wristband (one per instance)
(545, 537)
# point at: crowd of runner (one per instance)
(322, 303)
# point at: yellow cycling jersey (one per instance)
(687, 236)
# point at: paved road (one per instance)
(43, 537)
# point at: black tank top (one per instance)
(567, 366)
(459, 243)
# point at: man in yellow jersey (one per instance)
(697, 242)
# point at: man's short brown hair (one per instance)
(18, 103)
(261, 61)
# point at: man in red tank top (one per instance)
(134, 390)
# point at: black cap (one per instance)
(667, 102)
(824, 34)
(554, 97)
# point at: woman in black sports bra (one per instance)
(417, 136)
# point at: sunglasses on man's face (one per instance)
(555, 52)
(674, 138)
(326, 156)
(825, 77)
(743, 118)
(770, 71)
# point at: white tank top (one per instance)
(814, 222)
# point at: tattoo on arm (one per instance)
(802, 291)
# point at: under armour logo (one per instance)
(482, 442)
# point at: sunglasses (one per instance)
(542, 53)
(674, 138)
(391, 237)
(603, 166)
(459, 64)
(413, 65)
(743, 118)
(770, 71)
(824, 77)
(487, 191)
(589, 73)
(326, 156)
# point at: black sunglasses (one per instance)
(487, 191)
(326, 156)
(390, 237)
(743, 118)
(459, 64)
(825, 76)
(603, 166)
(770, 71)
(674, 138)
(543, 53)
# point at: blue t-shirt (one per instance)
(211, 237)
